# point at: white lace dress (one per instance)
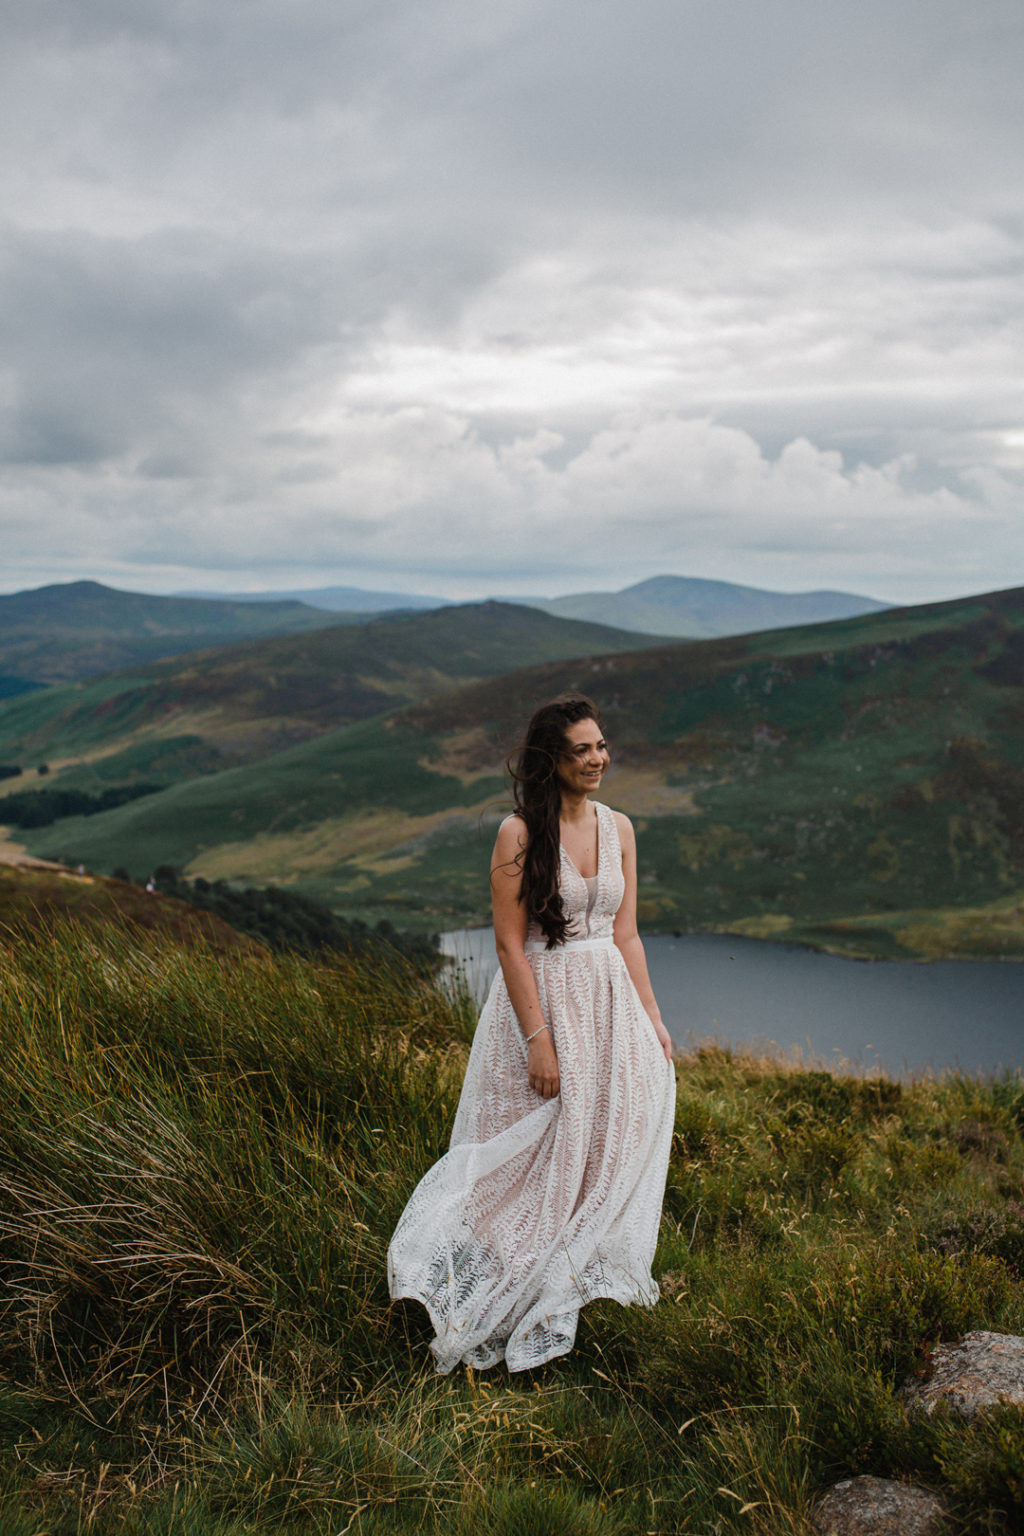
(542, 1205)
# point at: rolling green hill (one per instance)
(857, 785)
(81, 628)
(191, 715)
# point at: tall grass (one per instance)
(201, 1161)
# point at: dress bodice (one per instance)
(591, 919)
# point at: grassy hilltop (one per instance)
(80, 628)
(30, 895)
(202, 1159)
(855, 784)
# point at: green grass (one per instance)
(201, 1162)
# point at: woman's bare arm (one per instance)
(627, 937)
(509, 939)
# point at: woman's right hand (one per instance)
(542, 1064)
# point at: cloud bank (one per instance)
(523, 298)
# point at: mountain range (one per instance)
(84, 629)
(682, 607)
(854, 784)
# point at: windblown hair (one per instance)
(538, 800)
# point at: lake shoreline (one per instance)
(991, 932)
(838, 950)
(902, 1016)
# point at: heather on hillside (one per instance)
(202, 1156)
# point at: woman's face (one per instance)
(584, 757)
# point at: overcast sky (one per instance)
(473, 296)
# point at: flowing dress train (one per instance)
(542, 1205)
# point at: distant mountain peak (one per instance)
(76, 629)
(669, 584)
(696, 608)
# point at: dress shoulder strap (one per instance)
(609, 832)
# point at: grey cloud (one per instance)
(674, 107)
(666, 87)
(106, 342)
(686, 108)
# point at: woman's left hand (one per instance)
(664, 1039)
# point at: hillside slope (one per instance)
(841, 784)
(81, 628)
(191, 715)
(201, 1166)
(33, 897)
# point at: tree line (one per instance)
(28, 808)
(289, 922)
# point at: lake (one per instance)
(897, 1016)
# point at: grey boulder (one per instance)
(983, 1371)
(875, 1506)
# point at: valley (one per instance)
(855, 784)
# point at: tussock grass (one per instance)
(201, 1161)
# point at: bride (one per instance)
(550, 1194)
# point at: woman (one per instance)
(550, 1195)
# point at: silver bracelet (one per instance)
(537, 1032)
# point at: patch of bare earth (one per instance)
(467, 756)
(645, 792)
(371, 841)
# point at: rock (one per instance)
(982, 1371)
(874, 1506)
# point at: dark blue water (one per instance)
(896, 1015)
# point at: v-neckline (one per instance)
(572, 861)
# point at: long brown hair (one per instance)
(538, 800)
